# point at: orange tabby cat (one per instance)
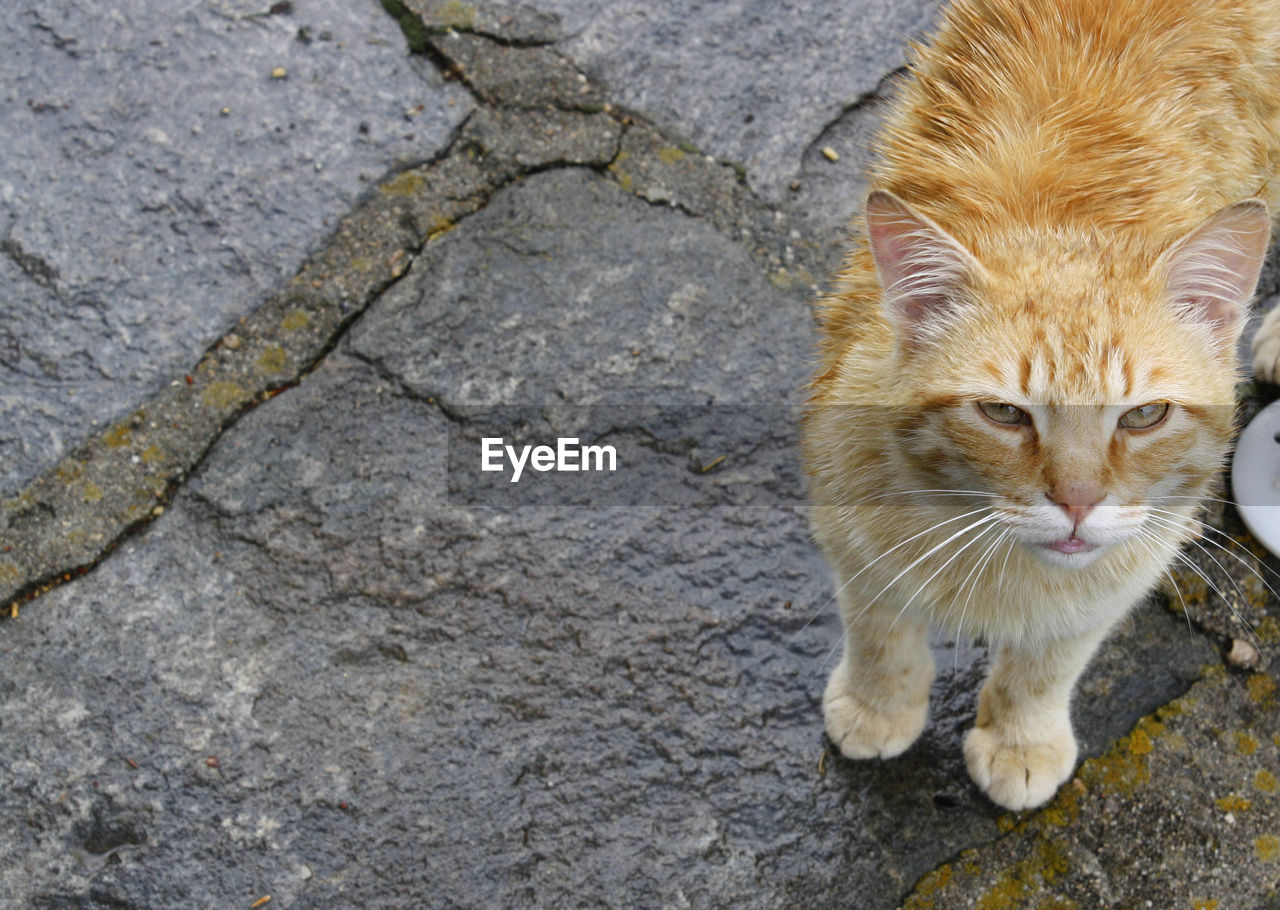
(1029, 357)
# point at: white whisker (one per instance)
(935, 574)
(986, 519)
(823, 609)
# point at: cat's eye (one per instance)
(1004, 413)
(1146, 416)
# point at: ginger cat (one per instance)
(1028, 359)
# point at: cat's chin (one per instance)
(1069, 552)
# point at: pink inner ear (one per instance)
(922, 269)
(1213, 271)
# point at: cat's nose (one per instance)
(1077, 499)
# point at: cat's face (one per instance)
(1079, 433)
(1082, 405)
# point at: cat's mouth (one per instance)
(1071, 544)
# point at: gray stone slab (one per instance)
(158, 181)
(590, 296)
(315, 678)
(749, 80)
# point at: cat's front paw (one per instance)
(862, 730)
(1018, 775)
(1266, 348)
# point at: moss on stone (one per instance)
(1245, 743)
(1233, 803)
(273, 359)
(221, 395)
(118, 436)
(295, 320)
(670, 154)
(1262, 689)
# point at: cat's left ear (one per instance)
(1213, 271)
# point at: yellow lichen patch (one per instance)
(410, 183)
(152, 454)
(1186, 586)
(670, 154)
(1028, 877)
(438, 224)
(1265, 781)
(117, 436)
(1123, 767)
(1245, 744)
(221, 395)
(1268, 630)
(456, 15)
(92, 492)
(1053, 860)
(920, 898)
(1233, 803)
(1065, 807)
(1267, 848)
(615, 168)
(273, 359)
(1262, 689)
(1203, 903)
(295, 320)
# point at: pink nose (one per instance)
(1077, 499)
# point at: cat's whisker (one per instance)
(1205, 540)
(952, 558)
(1205, 526)
(1195, 569)
(895, 547)
(1175, 526)
(1155, 554)
(986, 519)
(1245, 624)
(972, 582)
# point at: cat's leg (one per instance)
(877, 699)
(1022, 747)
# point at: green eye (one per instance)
(1145, 416)
(1005, 414)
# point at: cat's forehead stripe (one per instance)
(1106, 376)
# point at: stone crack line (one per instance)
(537, 112)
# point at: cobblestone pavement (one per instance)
(270, 268)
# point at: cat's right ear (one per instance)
(923, 269)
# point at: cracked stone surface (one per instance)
(749, 80)
(310, 665)
(158, 182)
(339, 689)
